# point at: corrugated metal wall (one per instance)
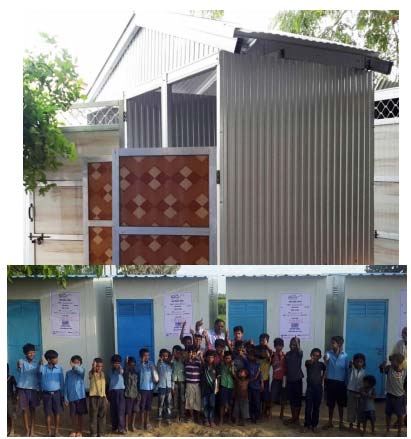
(149, 55)
(193, 120)
(296, 162)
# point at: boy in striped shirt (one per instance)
(192, 368)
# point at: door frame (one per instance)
(249, 300)
(386, 303)
(210, 231)
(37, 302)
(115, 301)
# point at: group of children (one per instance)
(225, 381)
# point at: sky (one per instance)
(96, 31)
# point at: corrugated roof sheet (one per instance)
(70, 276)
(159, 276)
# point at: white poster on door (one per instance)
(403, 311)
(65, 314)
(178, 308)
(295, 315)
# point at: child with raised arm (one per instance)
(130, 393)
(226, 375)
(192, 370)
(355, 381)
(28, 386)
(314, 393)
(295, 375)
(147, 378)
(75, 395)
(11, 402)
(178, 385)
(52, 385)
(97, 398)
(336, 362)
(264, 360)
(165, 371)
(394, 386)
(278, 382)
(255, 386)
(366, 405)
(209, 388)
(116, 395)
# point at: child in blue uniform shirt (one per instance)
(75, 394)
(52, 385)
(116, 395)
(28, 386)
(147, 377)
(165, 371)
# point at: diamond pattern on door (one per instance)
(164, 191)
(99, 191)
(100, 245)
(164, 249)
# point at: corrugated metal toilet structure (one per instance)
(237, 147)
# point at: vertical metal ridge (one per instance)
(296, 151)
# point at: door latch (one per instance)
(37, 239)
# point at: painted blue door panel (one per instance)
(250, 314)
(23, 326)
(135, 328)
(366, 332)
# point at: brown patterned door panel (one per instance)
(97, 183)
(164, 206)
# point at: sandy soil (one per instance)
(271, 427)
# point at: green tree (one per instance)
(58, 272)
(213, 14)
(50, 84)
(386, 269)
(147, 269)
(375, 29)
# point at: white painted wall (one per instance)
(90, 344)
(378, 287)
(156, 289)
(269, 289)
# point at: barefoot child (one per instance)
(147, 378)
(97, 398)
(192, 370)
(395, 398)
(278, 382)
(75, 394)
(28, 386)
(178, 384)
(52, 385)
(336, 362)
(264, 360)
(226, 374)
(209, 388)
(295, 375)
(255, 386)
(355, 381)
(130, 393)
(116, 395)
(241, 405)
(366, 406)
(11, 401)
(165, 371)
(314, 393)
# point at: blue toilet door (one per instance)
(135, 328)
(250, 314)
(23, 326)
(366, 333)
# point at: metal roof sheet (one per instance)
(41, 276)
(158, 276)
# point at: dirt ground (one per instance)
(271, 427)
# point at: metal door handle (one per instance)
(31, 212)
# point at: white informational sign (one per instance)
(403, 311)
(295, 315)
(65, 314)
(178, 308)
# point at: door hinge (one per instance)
(218, 177)
(124, 116)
